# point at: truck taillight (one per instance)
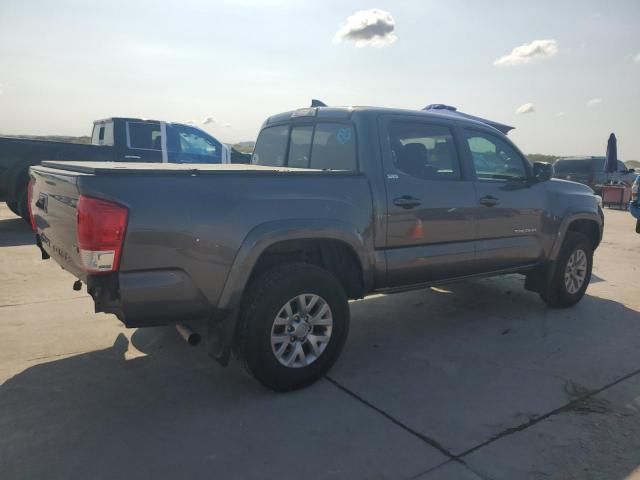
(100, 231)
(32, 220)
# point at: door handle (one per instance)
(132, 157)
(407, 201)
(489, 201)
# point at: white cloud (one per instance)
(227, 125)
(561, 114)
(593, 102)
(1, 89)
(208, 120)
(368, 28)
(529, 52)
(636, 58)
(190, 122)
(526, 108)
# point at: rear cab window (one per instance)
(321, 146)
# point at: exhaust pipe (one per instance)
(191, 337)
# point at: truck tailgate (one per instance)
(53, 203)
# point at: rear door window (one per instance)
(334, 147)
(144, 135)
(424, 151)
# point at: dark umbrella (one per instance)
(611, 162)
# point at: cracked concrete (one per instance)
(469, 381)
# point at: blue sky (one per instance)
(66, 63)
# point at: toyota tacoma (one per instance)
(337, 204)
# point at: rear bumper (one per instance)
(634, 208)
(149, 298)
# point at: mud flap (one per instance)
(537, 279)
(638, 226)
(219, 337)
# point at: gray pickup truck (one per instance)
(338, 203)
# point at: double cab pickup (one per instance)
(337, 203)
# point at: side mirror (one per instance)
(631, 170)
(543, 171)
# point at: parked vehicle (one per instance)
(112, 139)
(339, 202)
(590, 171)
(634, 205)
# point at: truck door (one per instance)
(431, 223)
(145, 141)
(510, 206)
(191, 145)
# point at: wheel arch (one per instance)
(331, 244)
(588, 224)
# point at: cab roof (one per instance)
(436, 111)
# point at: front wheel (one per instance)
(571, 272)
(294, 322)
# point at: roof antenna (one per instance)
(317, 103)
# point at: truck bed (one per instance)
(186, 225)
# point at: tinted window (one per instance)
(621, 167)
(144, 135)
(327, 146)
(271, 146)
(493, 158)
(300, 146)
(424, 151)
(573, 166)
(334, 147)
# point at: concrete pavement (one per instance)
(477, 380)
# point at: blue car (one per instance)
(634, 205)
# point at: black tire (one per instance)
(556, 294)
(264, 299)
(22, 205)
(13, 207)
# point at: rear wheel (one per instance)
(571, 272)
(13, 207)
(295, 320)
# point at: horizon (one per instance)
(565, 77)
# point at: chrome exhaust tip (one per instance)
(191, 337)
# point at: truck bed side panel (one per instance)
(184, 231)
